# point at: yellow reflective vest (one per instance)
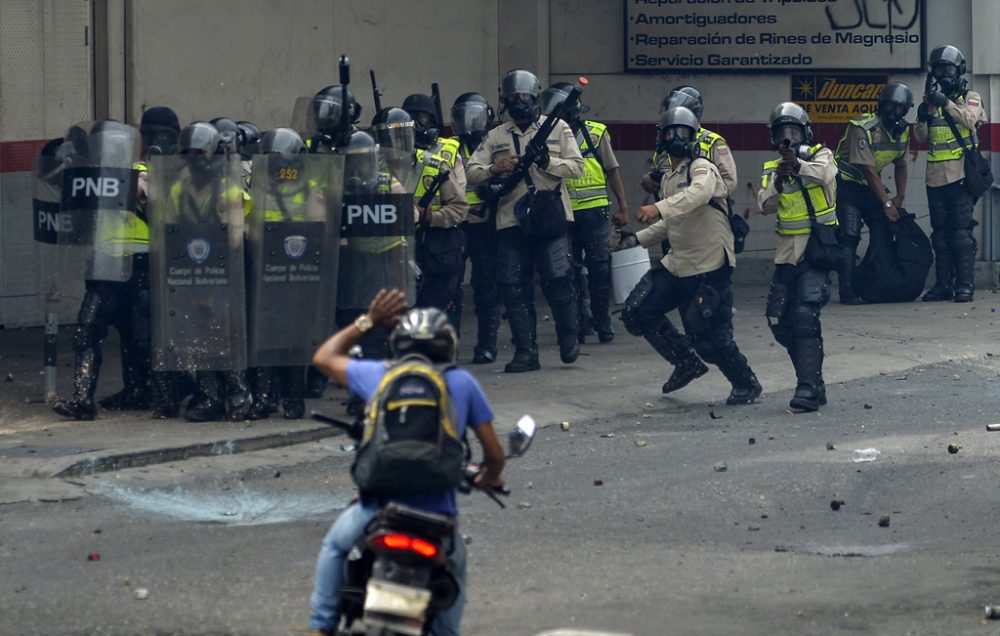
(470, 191)
(590, 190)
(433, 164)
(123, 233)
(793, 214)
(942, 145)
(886, 151)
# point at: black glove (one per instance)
(541, 155)
(628, 239)
(922, 115)
(937, 98)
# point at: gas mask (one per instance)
(893, 118)
(947, 78)
(789, 136)
(202, 169)
(676, 142)
(425, 129)
(522, 106)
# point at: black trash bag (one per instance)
(895, 271)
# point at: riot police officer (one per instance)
(439, 239)
(949, 107)
(115, 237)
(558, 158)
(471, 118)
(591, 229)
(870, 143)
(695, 275)
(801, 188)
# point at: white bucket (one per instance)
(627, 267)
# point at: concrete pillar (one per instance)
(524, 37)
(985, 65)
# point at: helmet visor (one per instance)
(469, 118)
(324, 114)
(399, 136)
(942, 70)
(788, 135)
(519, 82)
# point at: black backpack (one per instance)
(410, 443)
(895, 271)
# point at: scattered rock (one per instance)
(467, 539)
(956, 377)
(883, 522)
(9, 378)
(94, 556)
(753, 528)
(953, 448)
(829, 446)
(98, 531)
(641, 443)
(598, 482)
(277, 474)
(607, 435)
(836, 504)
(868, 406)
(524, 505)
(752, 441)
(901, 377)
(564, 426)
(714, 416)
(780, 548)
(720, 467)
(141, 594)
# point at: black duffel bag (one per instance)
(978, 173)
(823, 248)
(541, 213)
(896, 270)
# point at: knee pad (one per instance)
(706, 349)
(805, 321)
(559, 291)
(940, 241)
(962, 240)
(782, 332)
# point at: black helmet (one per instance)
(360, 163)
(284, 141)
(427, 332)
(325, 110)
(677, 131)
(519, 90)
(947, 65)
(199, 138)
(686, 96)
(471, 115)
(230, 134)
(426, 127)
(394, 130)
(249, 139)
(894, 102)
(555, 95)
(786, 118)
(159, 128)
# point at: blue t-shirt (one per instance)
(471, 409)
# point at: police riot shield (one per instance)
(196, 213)
(46, 193)
(98, 202)
(377, 229)
(294, 242)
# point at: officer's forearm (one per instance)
(901, 174)
(875, 183)
(617, 187)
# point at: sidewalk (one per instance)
(616, 379)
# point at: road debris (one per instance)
(993, 612)
(714, 416)
(564, 426)
(598, 482)
(720, 467)
(641, 443)
(524, 505)
(607, 435)
(993, 428)
(141, 594)
(830, 446)
(953, 448)
(865, 455)
(94, 556)
(752, 441)
(868, 407)
(836, 504)
(883, 522)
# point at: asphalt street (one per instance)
(688, 518)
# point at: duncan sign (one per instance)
(832, 98)
(698, 36)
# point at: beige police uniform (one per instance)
(969, 114)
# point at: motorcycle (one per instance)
(395, 578)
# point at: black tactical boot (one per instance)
(809, 372)
(965, 274)
(600, 303)
(207, 405)
(584, 321)
(675, 349)
(81, 406)
(488, 323)
(522, 330)
(294, 386)
(166, 400)
(938, 293)
(239, 399)
(567, 331)
(942, 289)
(128, 399)
(734, 366)
(524, 360)
(315, 383)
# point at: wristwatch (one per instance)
(888, 204)
(363, 323)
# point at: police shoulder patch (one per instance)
(862, 143)
(973, 101)
(700, 170)
(721, 149)
(568, 133)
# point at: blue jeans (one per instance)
(345, 532)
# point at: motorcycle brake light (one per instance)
(387, 542)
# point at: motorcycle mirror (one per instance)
(520, 438)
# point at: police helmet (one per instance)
(426, 127)
(519, 90)
(283, 141)
(159, 128)
(112, 143)
(944, 55)
(394, 130)
(553, 96)
(427, 332)
(676, 131)
(686, 96)
(896, 99)
(360, 162)
(249, 139)
(229, 132)
(199, 138)
(325, 110)
(786, 118)
(471, 114)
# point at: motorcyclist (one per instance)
(427, 332)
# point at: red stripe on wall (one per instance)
(16, 156)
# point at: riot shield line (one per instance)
(197, 281)
(47, 221)
(294, 241)
(377, 229)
